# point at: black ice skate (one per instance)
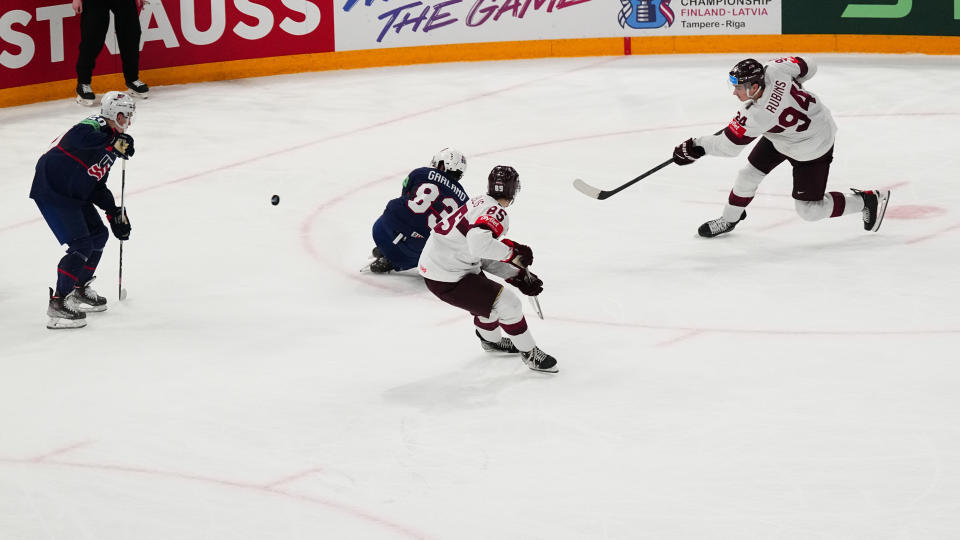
(88, 299)
(138, 89)
(63, 312)
(85, 95)
(502, 346)
(381, 266)
(874, 207)
(376, 252)
(719, 226)
(538, 360)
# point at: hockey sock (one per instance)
(519, 334)
(90, 266)
(489, 329)
(853, 203)
(731, 213)
(743, 192)
(68, 270)
(508, 312)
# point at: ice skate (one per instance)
(538, 360)
(874, 207)
(502, 346)
(381, 266)
(719, 226)
(88, 299)
(138, 89)
(85, 95)
(63, 312)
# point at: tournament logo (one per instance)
(645, 14)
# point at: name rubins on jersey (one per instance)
(794, 119)
(776, 97)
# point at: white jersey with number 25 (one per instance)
(458, 243)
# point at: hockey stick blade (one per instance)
(587, 189)
(595, 193)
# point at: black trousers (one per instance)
(94, 22)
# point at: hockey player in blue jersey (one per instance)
(429, 195)
(70, 180)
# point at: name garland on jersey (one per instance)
(436, 176)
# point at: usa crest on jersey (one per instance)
(645, 13)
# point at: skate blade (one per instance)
(881, 210)
(137, 95)
(86, 308)
(56, 323)
(498, 351)
(86, 102)
(554, 369)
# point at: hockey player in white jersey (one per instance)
(792, 124)
(471, 240)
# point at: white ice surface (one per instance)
(791, 380)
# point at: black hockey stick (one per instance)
(535, 299)
(121, 292)
(596, 193)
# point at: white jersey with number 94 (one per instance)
(793, 118)
(458, 244)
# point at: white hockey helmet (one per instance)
(451, 162)
(114, 103)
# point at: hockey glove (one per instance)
(521, 256)
(119, 223)
(528, 283)
(687, 152)
(122, 146)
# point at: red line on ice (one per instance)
(356, 512)
(60, 451)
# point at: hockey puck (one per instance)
(275, 200)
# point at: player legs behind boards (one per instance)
(792, 125)
(467, 243)
(94, 23)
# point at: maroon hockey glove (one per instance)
(687, 152)
(528, 283)
(521, 256)
(119, 223)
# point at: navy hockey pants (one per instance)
(404, 254)
(81, 229)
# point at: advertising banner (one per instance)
(374, 24)
(886, 17)
(39, 38)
